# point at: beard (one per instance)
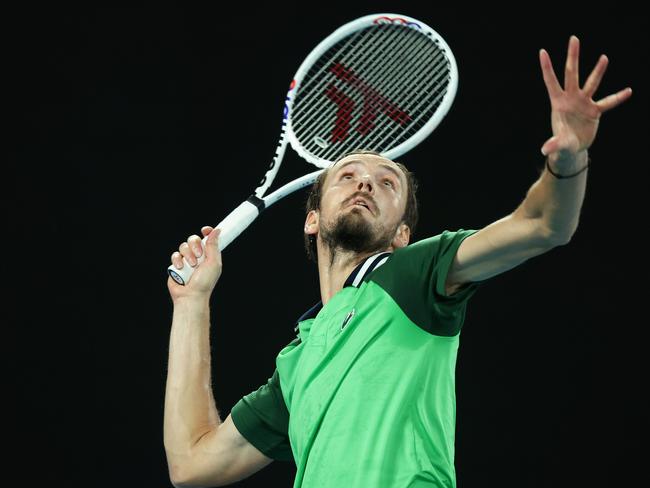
(351, 231)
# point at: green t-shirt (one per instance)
(364, 396)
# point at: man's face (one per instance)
(363, 202)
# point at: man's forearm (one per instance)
(190, 410)
(556, 202)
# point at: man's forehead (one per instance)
(375, 158)
(372, 159)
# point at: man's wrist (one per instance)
(192, 301)
(564, 165)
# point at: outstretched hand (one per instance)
(574, 113)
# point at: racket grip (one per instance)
(233, 225)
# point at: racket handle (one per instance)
(231, 227)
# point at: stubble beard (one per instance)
(352, 232)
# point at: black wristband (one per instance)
(548, 167)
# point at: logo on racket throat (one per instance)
(373, 102)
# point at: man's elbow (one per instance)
(180, 477)
(177, 477)
(557, 239)
(180, 482)
(550, 237)
(177, 484)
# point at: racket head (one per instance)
(382, 82)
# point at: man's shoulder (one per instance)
(443, 238)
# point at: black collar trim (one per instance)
(355, 279)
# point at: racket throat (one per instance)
(257, 201)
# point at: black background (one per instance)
(130, 128)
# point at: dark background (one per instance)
(130, 128)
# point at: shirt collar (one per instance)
(355, 279)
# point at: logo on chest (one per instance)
(347, 319)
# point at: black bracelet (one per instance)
(548, 166)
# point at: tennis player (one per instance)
(364, 396)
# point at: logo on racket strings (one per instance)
(373, 102)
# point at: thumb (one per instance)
(551, 145)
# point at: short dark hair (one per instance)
(410, 217)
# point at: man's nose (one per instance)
(365, 181)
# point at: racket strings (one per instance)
(407, 76)
(394, 70)
(380, 100)
(360, 54)
(427, 88)
(348, 48)
(387, 135)
(394, 81)
(372, 98)
(310, 103)
(321, 64)
(432, 95)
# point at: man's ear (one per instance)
(311, 222)
(402, 236)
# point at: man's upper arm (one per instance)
(496, 248)
(221, 457)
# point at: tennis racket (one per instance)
(382, 82)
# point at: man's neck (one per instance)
(334, 269)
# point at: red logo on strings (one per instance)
(372, 102)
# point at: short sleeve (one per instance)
(263, 419)
(450, 309)
(448, 244)
(415, 277)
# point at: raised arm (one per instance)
(201, 450)
(549, 214)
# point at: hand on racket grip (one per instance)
(190, 255)
(194, 252)
(230, 228)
